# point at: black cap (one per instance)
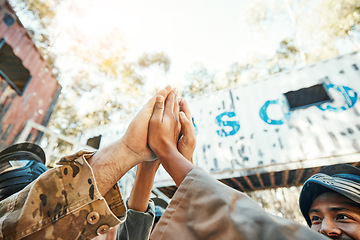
(36, 151)
(20, 164)
(341, 178)
(160, 206)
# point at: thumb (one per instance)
(186, 124)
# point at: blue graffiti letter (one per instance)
(349, 95)
(235, 126)
(264, 115)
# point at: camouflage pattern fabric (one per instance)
(63, 203)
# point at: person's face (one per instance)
(335, 216)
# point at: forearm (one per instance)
(140, 195)
(175, 164)
(110, 164)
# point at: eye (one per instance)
(342, 217)
(315, 219)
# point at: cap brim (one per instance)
(160, 202)
(340, 169)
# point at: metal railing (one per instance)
(55, 145)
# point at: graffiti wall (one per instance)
(308, 114)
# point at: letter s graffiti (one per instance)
(234, 125)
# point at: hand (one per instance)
(110, 163)
(135, 138)
(164, 130)
(187, 142)
(164, 127)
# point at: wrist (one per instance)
(131, 155)
(145, 171)
(166, 153)
(177, 166)
(110, 163)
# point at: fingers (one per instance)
(164, 92)
(184, 107)
(158, 109)
(177, 110)
(168, 90)
(169, 106)
(176, 103)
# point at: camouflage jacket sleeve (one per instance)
(63, 203)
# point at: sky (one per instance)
(213, 33)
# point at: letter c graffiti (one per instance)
(350, 98)
(235, 126)
(264, 115)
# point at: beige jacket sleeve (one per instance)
(63, 203)
(204, 208)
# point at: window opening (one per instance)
(12, 69)
(8, 19)
(306, 97)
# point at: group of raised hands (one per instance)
(171, 137)
(161, 132)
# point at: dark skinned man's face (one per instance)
(335, 216)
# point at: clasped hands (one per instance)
(163, 125)
(162, 130)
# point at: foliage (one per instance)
(286, 57)
(159, 58)
(42, 8)
(339, 17)
(112, 99)
(36, 15)
(67, 121)
(335, 20)
(201, 81)
(104, 86)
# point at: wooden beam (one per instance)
(300, 174)
(285, 177)
(249, 182)
(260, 180)
(241, 187)
(272, 179)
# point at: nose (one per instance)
(329, 228)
